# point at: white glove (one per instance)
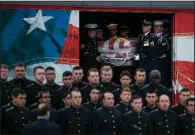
(136, 57)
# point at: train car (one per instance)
(50, 34)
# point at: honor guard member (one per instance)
(45, 98)
(163, 120)
(66, 101)
(93, 81)
(77, 73)
(147, 49)
(124, 32)
(112, 28)
(75, 119)
(140, 77)
(151, 101)
(17, 115)
(155, 85)
(6, 88)
(124, 104)
(181, 107)
(94, 102)
(135, 121)
(106, 74)
(50, 76)
(163, 51)
(125, 80)
(33, 89)
(108, 118)
(20, 80)
(187, 120)
(89, 49)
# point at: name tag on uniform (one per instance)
(146, 43)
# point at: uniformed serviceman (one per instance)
(77, 74)
(17, 115)
(108, 118)
(89, 49)
(135, 121)
(163, 120)
(124, 104)
(112, 28)
(147, 49)
(181, 107)
(187, 120)
(125, 80)
(75, 119)
(163, 51)
(140, 77)
(100, 34)
(50, 76)
(45, 98)
(6, 88)
(155, 85)
(20, 80)
(94, 102)
(124, 31)
(151, 101)
(106, 84)
(66, 101)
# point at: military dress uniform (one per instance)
(85, 93)
(16, 118)
(21, 83)
(179, 109)
(75, 121)
(163, 122)
(107, 121)
(148, 109)
(135, 123)
(186, 124)
(136, 89)
(110, 86)
(93, 107)
(123, 108)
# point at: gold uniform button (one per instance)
(105, 120)
(193, 129)
(167, 126)
(78, 118)
(139, 122)
(140, 128)
(112, 116)
(79, 131)
(77, 112)
(114, 133)
(22, 124)
(139, 117)
(113, 126)
(166, 120)
(78, 124)
(113, 121)
(168, 131)
(22, 117)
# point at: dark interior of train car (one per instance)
(132, 20)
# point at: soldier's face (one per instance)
(93, 77)
(190, 107)
(125, 96)
(19, 72)
(94, 95)
(67, 80)
(125, 81)
(108, 100)
(46, 99)
(137, 105)
(76, 99)
(184, 96)
(124, 34)
(20, 100)
(106, 76)
(155, 80)
(140, 77)
(4, 73)
(146, 28)
(113, 32)
(164, 102)
(67, 100)
(92, 33)
(151, 98)
(78, 75)
(50, 76)
(157, 28)
(100, 33)
(40, 75)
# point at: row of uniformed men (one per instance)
(127, 117)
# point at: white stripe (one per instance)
(183, 47)
(74, 18)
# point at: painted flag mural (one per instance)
(40, 37)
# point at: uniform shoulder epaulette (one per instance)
(154, 111)
(144, 107)
(117, 105)
(9, 109)
(85, 103)
(30, 85)
(182, 115)
(117, 89)
(127, 113)
(99, 109)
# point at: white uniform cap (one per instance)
(112, 26)
(158, 22)
(91, 26)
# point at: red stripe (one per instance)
(184, 24)
(97, 8)
(111, 44)
(70, 52)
